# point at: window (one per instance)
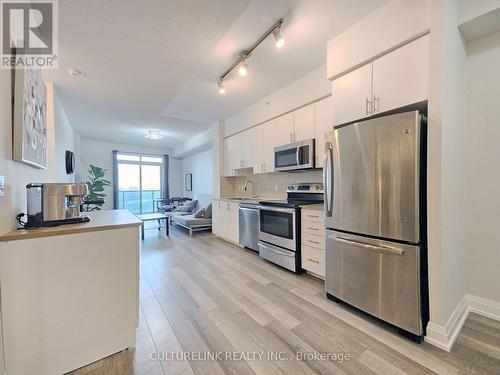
(139, 181)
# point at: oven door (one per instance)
(299, 155)
(278, 226)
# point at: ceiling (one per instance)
(153, 64)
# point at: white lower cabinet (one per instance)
(225, 220)
(313, 242)
(313, 260)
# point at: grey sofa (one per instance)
(189, 221)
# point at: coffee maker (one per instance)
(55, 204)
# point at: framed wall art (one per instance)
(189, 182)
(30, 118)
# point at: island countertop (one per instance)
(99, 220)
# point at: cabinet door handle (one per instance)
(315, 229)
(313, 261)
(376, 104)
(314, 242)
(367, 106)
(315, 216)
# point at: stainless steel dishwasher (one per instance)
(249, 225)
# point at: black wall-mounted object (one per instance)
(70, 162)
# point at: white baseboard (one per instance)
(444, 337)
(485, 307)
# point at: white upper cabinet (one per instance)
(258, 149)
(351, 95)
(323, 123)
(402, 77)
(395, 80)
(303, 123)
(229, 156)
(268, 144)
(249, 144)
(284, 129)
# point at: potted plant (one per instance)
(96, 185)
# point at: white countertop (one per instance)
(99, 220)
(313, 207)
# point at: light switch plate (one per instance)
(2, 186)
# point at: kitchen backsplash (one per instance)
(268, 185)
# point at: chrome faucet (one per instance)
(253, 188)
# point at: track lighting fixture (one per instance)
(222, 90)
(243, 69)
(245, 54)
(280, 42)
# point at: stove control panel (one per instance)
(305, 188)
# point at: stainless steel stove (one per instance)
(279, 227)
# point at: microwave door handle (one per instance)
(297, 156)
(328, 179)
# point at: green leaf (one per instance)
(97, 184)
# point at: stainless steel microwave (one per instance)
(294, 156)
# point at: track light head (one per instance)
(280, 41)
(243, 69)
(222, 89)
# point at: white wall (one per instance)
(100, 154)
(201, 166)
(470, 9)
(198, 143)
(17, 175)
(446, 185)
(481, 170)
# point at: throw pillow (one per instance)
(184, 208)
(200, 213)
(208, 211)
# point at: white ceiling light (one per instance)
(245, 54)
(280, 41)
(243, 69)
(154, 134)
(76, 73)
(222, 89)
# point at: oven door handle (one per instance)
(277, 209)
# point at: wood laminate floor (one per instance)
(202, 295)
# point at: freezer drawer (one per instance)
(379, 277)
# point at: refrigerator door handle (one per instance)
(380, 249)
(328, 179)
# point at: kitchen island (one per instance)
(69, 294)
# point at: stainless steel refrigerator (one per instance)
(374, 178)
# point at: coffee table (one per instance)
(156, 216)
